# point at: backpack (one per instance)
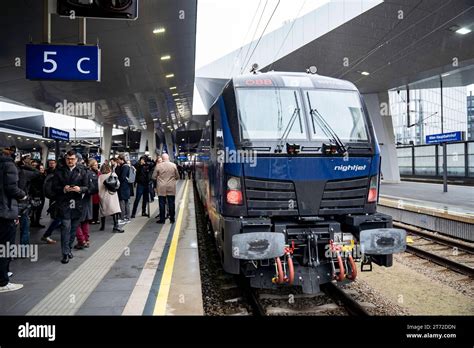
(48, 187)
(93, 182)
(132, 175)
(112, 183)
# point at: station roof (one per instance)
(397, 42)
(126, 96)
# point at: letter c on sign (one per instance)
(79, 66)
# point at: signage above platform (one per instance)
(62, 62)
(444, 137)
(56, 134)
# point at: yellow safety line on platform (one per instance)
(162, 298)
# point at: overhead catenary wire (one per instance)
(254, 34)
(287, 34)
(245, 38)
(261, 35)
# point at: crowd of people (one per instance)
(79, 194)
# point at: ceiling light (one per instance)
(169, 76)
(172, 87)
(365, 73)
(165, 57)
(463, 31)
(175, 94)
(9, 136)
(155, 119)
(159, 30)
(444, 75)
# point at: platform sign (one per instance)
(62, 62)
(444, 137)
(56, 134)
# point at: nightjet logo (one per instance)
(351, 168)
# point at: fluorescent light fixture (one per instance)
(165, 57)
(444, 75)
(155, 119)
(159, 30)
(175, 94)
(463, 31)
(172, 87)
(365, 73)
(169, 76)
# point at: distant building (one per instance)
(425, 113)
(470, 117)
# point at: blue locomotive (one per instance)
(288, 172)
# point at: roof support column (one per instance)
(169, 144)
(378, 106)
(147, 137)
(44, 154)
(106, 141)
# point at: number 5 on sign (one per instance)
(62, 62)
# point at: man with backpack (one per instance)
(70, 183)
(51, 195)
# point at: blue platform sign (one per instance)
(444, 137)
(56, 134)
(62, 62)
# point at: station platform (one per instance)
(150, 269)
(427, 206)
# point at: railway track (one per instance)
(453, 254)
(331, 301)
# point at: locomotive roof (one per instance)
(291, 79)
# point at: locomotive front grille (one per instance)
(270, 197)
(344, 196)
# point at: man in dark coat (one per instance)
(26, 174)
(70, 184)
(142, 181)
(9, 194)
(123, 171)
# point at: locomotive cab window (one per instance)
(265, 113)
(341, 110)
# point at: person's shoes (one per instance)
(157, 217)
(145, 214)
(102, 228)
(79, 246)
(48, 240)
(172, 221)
(65, 259)
(123, 222)
(10, 274)
(70, 255)
(132, 217)
(160, 222)
(118, 230)
(87, 244)
(10, 287)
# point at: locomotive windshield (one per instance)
(265, 114)
(341, 110)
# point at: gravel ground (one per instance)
(441, 274)
(220, 293)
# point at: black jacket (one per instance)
(9, 190)
(69, 205)
(143, 174)
(123, 172)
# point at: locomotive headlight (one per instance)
(373, 189)
(233, 183)
(234, 194)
